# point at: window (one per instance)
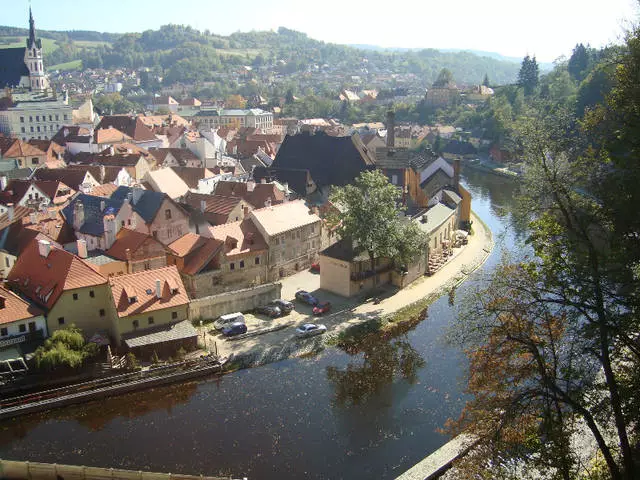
(6, 261)
(57, 118)
(23, 130)
(75, 296)
(102, 313)
(31, 128)
(4, 332)
(257, 260)
(174, 315)
(22, 328)
(30, 118)
(37, 118)
(135, 324)
(50, 118)
(150, 320)
(313, 229)
(155, 234)
(241, 263)
(21, 119)
(232, 266)
(65, 116)
(394, 179)
(32, 326)
(122, 223)
(129, 222)
(60, 320)
(34, 161)
(167, 214)
(38, 128)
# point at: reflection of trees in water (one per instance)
(95, 415)
(382, 361)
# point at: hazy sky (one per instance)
(546, 28)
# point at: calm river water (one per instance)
(359, 415)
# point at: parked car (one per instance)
(228, 319)
(306, 297)
(315, 267)
(310, 329)
(284, 306)
(236, 328)
(321, 308)
(270, 310)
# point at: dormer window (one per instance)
(132, 300)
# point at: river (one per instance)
(368, 413)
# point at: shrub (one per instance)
(65, 348)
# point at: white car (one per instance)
(227, 320)
(310, 329)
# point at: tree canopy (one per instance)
(65, 348)
(528, 74)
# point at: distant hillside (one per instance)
(184, 54)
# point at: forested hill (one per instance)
(186, 54)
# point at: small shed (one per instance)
(164, 340)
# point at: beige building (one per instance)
(292, 235)
(65, 287)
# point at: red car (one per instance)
(321, 308)
(315, 267)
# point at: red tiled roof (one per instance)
(192, 175)
(131, 240)
(14, 147)
(142, 287)
(197, 251)
(260, 194)
(134, 127)
(44, 279)
(245, 237)
(214, 203)
(104, 190)
(15, 308)
(52, 224)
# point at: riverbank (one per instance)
(396, 306)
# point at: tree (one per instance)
(528, 75)
(371, 219)
(485, 81)
(235, 101)
(65, 348)
(578, 62)
(445, 78)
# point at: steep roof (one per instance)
(14, 308)
(95, 209)
(297, 179)
(131, 240)
(142, 287)
(240, 237)
(167, 181)
(330, 160)
(110, 135)
(50, 223)
(182, 155)
(71, 176)
(16, 190)
(18, 213)
(257, 197)
(14, 147)
(44, 279)
(192, 175)
(284, 217)
(217, 208)
(12, 66)
(146, 204)
(105, 190)
(196, 250)
(134, 127)
(402, 158)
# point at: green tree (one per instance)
(371, 219)
(65, 348)
(485, 81)
(578, 62)
(528, 75)
(445, 78)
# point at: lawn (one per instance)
(48, 45)
(72, 65)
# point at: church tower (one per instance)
(33, 59)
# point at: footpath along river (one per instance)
(366, 414)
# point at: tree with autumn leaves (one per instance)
(553, 341)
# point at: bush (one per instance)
(132, 361)
(65, 348)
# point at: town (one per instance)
(252, 253)
(133, 228)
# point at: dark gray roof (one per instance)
(402, 158)
(343, 250)
(160, 334)
(295, 178)
(146, 206)
(12, 66)
(93, 213)
(17, 174)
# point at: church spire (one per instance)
(32, 32)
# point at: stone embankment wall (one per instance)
(208, 308)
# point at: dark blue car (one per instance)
(306, 297)
(236, 328)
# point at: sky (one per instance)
(545, 28)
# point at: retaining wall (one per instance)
(212, 307)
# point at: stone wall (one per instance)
(237, 301)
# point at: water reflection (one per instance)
(381, 360)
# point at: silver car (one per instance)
(310, 329)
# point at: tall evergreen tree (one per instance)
(485, 81)
(578, 62)
(529, 74)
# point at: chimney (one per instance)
(78, 215)
(33, 218)
(203, 206)
(137, 195)
(3, 182)
(44, 247)
(112, 151)
(158, 288)
(267, 202)
(391, 129)
(102, 205)
(82, 248)
(65, 132)
(456, 173)
(251, 185)
(52, 213)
